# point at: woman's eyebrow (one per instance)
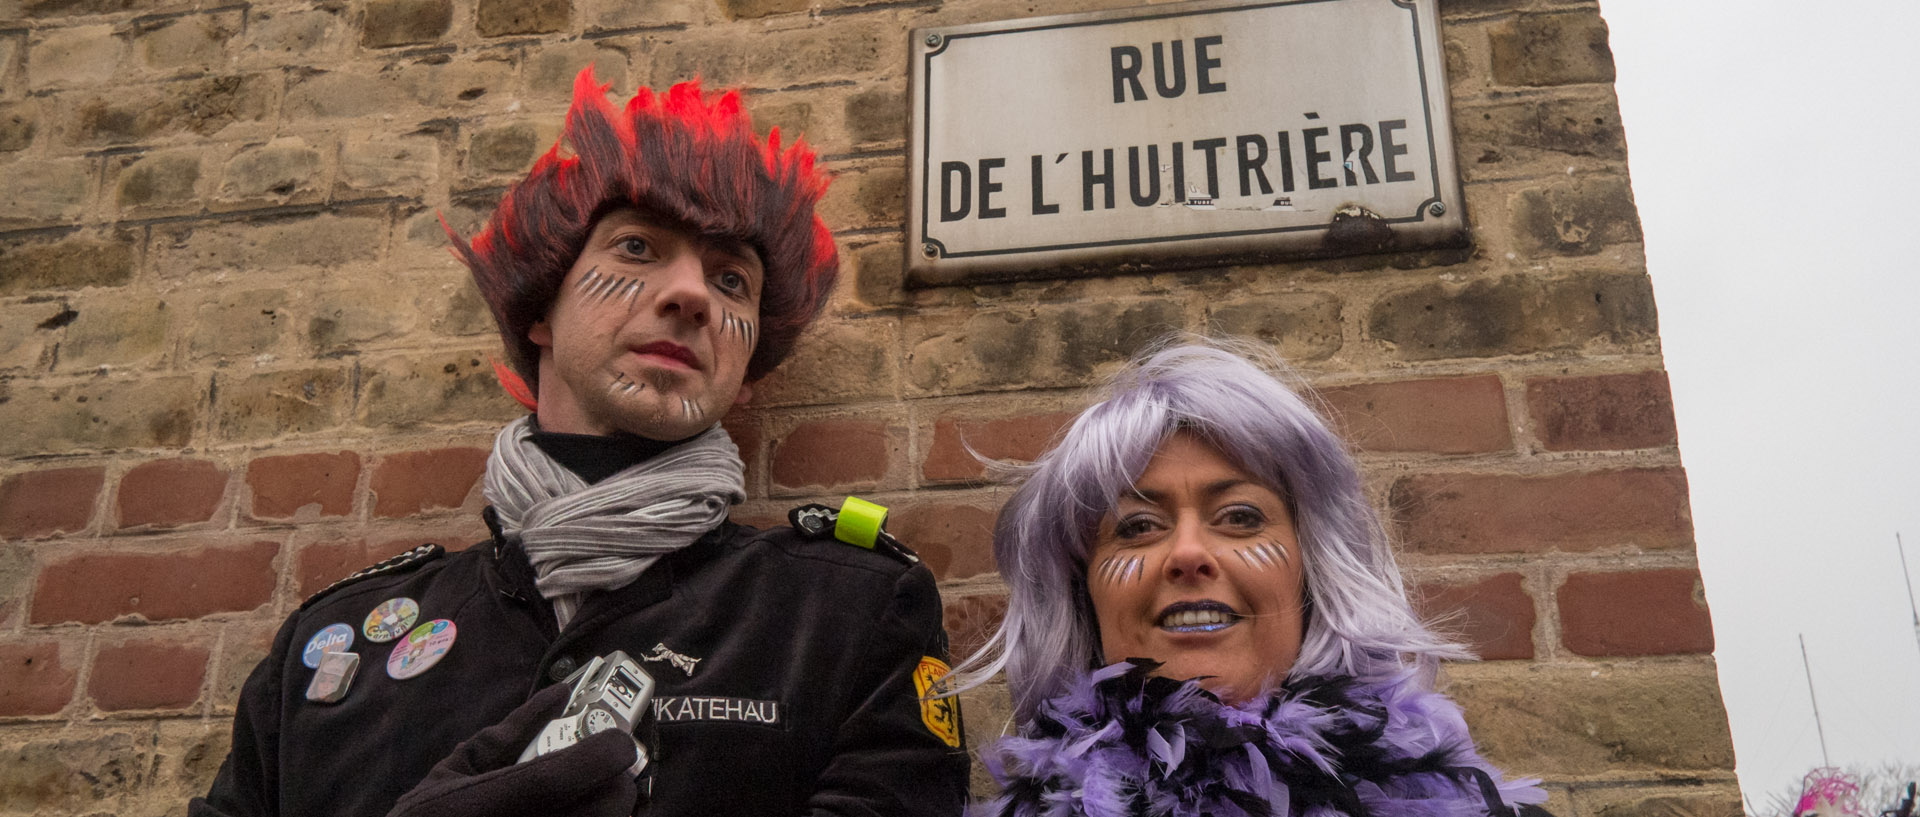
(1209, 490)
(1222, 486)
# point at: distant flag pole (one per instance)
(1808, 666)
(1905, 575)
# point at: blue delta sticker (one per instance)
(332, 638)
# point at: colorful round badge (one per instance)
(331, 638)
(423, 648)
(392, 619)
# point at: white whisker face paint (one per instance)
(622, 387)
(1118, 569)
(596, 288)
(691, 409)
(734, 326)
(1263, 556)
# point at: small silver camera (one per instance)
(611, 692)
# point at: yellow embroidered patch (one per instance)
(941, 715)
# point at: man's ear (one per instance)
(746, 394)
(541, 333)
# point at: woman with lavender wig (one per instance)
(1205, 618)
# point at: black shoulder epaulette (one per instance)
(402, 563)
(816, 521)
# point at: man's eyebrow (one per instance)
(732, 245)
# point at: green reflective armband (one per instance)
(859, 522)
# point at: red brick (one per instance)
(1493, 617)
(956, 541)
(148, 675)
(411, 482)
(1006, 438)
(33, 681)
(323, 563)
(970, 621)
(1643, 612)
(97, 587)
(56, 500)
(1604, 412)
(241, 649)
(745, 431)
(1475, 513)
(1455, 415)
(831, 453)
(318, 565)
(166, 493)
(282, 486)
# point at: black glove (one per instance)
(592, 778)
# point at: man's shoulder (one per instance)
(415, 571)
(784, 547)
(811, 543)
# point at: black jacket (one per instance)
(802, 700)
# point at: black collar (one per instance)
(595, 457)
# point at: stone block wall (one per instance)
(237, 360)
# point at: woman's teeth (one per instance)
(1197, 620)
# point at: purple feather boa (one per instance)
(1121, 743)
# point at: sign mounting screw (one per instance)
(930, 251)
(1437, 209)
(933, 40)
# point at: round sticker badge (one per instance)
(423, 648)
(392, 619)
(331, 638)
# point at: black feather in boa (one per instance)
(1123, 743)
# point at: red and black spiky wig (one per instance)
(683, 155)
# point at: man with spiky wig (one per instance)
(642, 281)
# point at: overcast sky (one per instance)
(1775, 152)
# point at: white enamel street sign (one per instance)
(1178, 135)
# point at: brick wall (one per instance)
(237, 360)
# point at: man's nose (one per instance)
(1190, 556)
(683, 289)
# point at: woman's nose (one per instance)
(1190, 558)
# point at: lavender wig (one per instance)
(1359, 622)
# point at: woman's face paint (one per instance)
(1196, 569)
(1119, 569)
(1263, 556)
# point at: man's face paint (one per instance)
(739, 328)
(652, 331)
(596, 289)
(622, 387)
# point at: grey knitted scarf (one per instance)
(581, 538)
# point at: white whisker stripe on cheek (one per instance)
(1120, 569)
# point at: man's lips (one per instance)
(1196, 617)
(672, 353)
